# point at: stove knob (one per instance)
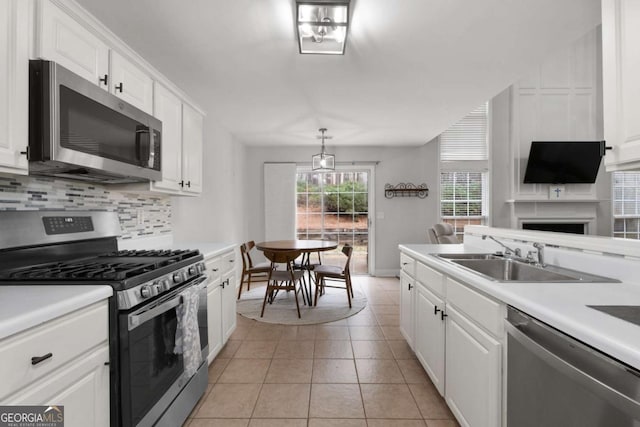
(157, 287)
(165, 284)
(145, 291)
(177, 277)
(193, 271)
(201, 268)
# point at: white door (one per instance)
(68, 43)
(214, 318)
(430, 334)
(407, 321)
(130, 83)
(167, 107)
(192, 134)
(473, 373)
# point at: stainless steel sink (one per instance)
(469, 256)
(500, 269)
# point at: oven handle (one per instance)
(138, 319)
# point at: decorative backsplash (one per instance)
(141, 215)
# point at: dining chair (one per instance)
(282, 279)
(249, 270)
(443, 233)
(335, 273)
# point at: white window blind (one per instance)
(626, 205)
(467, 139)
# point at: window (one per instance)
(626, 205)
(464, 161)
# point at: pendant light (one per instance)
(323, 161)
(322, 26)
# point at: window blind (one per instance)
(467, 139)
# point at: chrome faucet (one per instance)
(507, 250)
(540, 248)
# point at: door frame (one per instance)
(370, 170)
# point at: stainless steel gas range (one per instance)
(158, 314)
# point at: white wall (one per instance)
(405, 219)
(218, 215)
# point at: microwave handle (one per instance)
(143, 145)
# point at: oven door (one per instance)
(151, 372)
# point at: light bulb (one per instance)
(323, 162)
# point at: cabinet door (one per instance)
(131, 83)
(214, 318)
(14, 85)
(65, 41)
(429, 334)
(192, 128)
(82, 388)
(473, 372)
(621, 82)
(229, 294)
(406, 307)
(167, 107)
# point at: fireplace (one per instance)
(558, 227)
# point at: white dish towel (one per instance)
(187, 332)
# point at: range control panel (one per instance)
(67, 224)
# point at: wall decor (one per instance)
(406, 190)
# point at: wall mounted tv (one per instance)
(564, 162)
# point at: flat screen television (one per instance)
(563, 162)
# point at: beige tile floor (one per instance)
(355, 372)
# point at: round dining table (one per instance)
(306, 247)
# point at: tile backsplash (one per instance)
(141, 215)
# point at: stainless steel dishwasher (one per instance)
(553, 380)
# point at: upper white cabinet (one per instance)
(64, 40)
(168, 108)
(192, 130)
(131, 83)
(68, 35)
(621, 83)
(14, 86)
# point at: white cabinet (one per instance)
(73, 372)
(130, 83)
(407, 321)
(473, 372)
(14, 86)
(430, 334)
(221, 300)
(192, 134)
(64, 40)
(167, 107)
(621, 83)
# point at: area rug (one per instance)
(332, 306)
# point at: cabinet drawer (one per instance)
(65, 338)
(214, 268)
(430, 278)
(408, 264)
(481, 309)
(228, 262)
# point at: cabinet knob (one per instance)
(189, 184)
(38, 359)
(181, 183)
(436, 310)
(104, 79)
(119, 87)
(410, 286)
(214, 269)
(443, 315)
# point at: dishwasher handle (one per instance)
(622, 401)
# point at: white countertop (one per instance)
(23, 307)
(561, 305)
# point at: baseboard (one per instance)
(387, 273)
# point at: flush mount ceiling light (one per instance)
(323, 161)
(322, 26)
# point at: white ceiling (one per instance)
(411, 68)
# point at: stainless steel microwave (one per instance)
(78, 130)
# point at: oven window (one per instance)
(90, 127)
(149, 364)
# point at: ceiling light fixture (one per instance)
(323, 161)
(322, 26)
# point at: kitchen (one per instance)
(240, 135)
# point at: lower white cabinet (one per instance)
(221, 300)
(473, 372)
(456, 334)
(430, 334)
(74, 371)
(407, 321)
